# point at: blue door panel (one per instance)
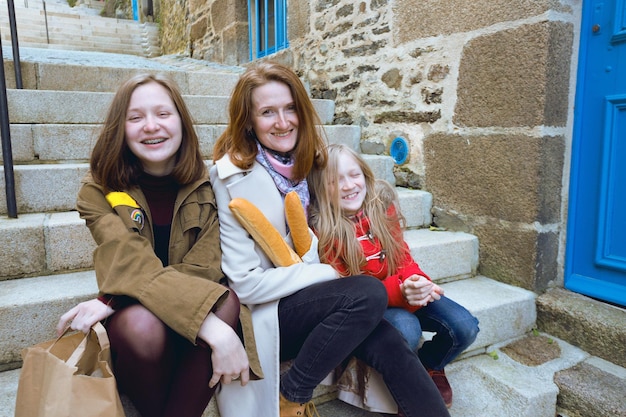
(595, 262)
(611, 249)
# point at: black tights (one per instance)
(161, 372)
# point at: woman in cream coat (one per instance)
(301, 312)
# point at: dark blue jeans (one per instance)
(322, 325)
(455, 328)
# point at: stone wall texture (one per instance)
(481, 90)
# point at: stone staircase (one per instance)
(80, 28)
(46, 265)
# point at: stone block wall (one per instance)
(481, 90)
(217, 30)
(174, 18)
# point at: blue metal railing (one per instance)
(5, 131)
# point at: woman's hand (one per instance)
(419, 290)
(228, 356)
(84, 315)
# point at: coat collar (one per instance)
(226, 168)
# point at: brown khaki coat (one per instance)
(181, 294)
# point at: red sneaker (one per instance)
(440, 380)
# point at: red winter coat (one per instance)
(377, 263)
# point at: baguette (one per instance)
(263, 232)
(298, 225)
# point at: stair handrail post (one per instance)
(16, 49)
(7, 152)
(45, 16)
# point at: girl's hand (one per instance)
(84, 315)
(437, 292)
(228, 356)
(419, 290)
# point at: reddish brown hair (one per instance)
(238, 140)
(115, 167)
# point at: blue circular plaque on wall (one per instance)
(399, 150)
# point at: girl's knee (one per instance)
(373, 291)
(135, 329)
(467, 332)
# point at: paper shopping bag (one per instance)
(69, 377)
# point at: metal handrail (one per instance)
(5, 131)
(45, 16)
(15, 44)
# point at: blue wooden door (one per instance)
(595, 262)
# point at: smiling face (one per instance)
(153, 128)
(274, 117)
(351, 182)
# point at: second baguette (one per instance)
(296, 219)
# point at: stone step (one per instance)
(63, 143)
(31, 319)
(573, 317)
(78, 26)
(503, 387)
(137, 49)
(30, 308)
(149, 51)
(48, 243)
(133, 42)
(43, 107)
(594, 387)
(104, 37)
(60, 28)
(84, 7)
(49, 69)
(62, 180)
(43, 244)
(137, 40)
(573, 383)
(45, 188)
(58, 16)
(444, 255)
(505, 312)
(482, 387)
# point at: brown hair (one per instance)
(239, 141)
(337, 242)
(115, 167)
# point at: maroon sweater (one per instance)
(160, 192)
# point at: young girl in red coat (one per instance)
(359, 225)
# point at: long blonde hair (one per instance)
(337, 242)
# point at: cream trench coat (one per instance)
(257, 282)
